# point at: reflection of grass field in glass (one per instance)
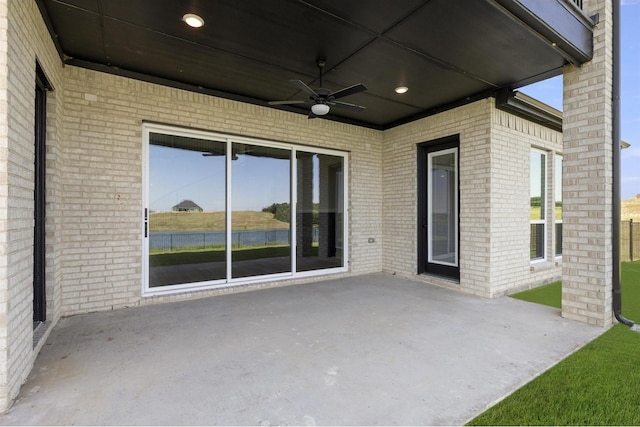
(534, 213)
(213, 221)
(631, 210)
(163, 258)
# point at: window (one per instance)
(537, 206)
(222, 210)
(557, 188)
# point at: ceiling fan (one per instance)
(322, 99)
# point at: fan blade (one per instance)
(286, 102)
(303, 87)
(348, 91)
(347, 106)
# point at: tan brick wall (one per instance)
(511, 144)
(472, 123)
(4, 206)
(494, 197)
(588, 174)
(24, 38)
(103, 181)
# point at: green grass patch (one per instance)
(597, 385)
(550, 295)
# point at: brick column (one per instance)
(587, 182)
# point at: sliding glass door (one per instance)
(260, 220)
(320, 211)
(221, 210)
(185, 218)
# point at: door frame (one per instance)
(39, 197)
(423, 232)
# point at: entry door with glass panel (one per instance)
(439, 236)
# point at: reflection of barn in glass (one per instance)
(186, 206)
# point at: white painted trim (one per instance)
(228, 210)
(430, 155)
(293, 220)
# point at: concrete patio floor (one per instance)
(368, 350)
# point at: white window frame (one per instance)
(430, 156)
(544, 207)
(556, 221)
(149, 127)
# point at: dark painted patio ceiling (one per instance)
(447, 52)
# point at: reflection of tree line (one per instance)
(282, 212)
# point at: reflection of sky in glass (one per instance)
(442, 166)
(536, 175)
(176, 175)
(316, 177)
(258, 182)
(558, 179)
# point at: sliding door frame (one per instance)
(229, 140)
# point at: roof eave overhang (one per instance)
(560, 23)
(529, 108)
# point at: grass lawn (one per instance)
(597, 385)
(550, 295)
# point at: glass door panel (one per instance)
(319, 211)
(260, 220)
(186, 217)
(443, 207)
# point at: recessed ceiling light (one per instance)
(193, 20)
(401, 89)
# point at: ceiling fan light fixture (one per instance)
(401, 89)
(320, 109)
(193, 20)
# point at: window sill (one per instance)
(541, 265)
